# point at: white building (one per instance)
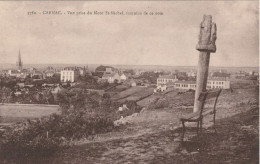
(185, 85)
(162, 88)
(192, 74)
(123, 77)
(163, 80)
(213, 83)
(111, 78)
(218, 82)
(70, 74)
(14, 73)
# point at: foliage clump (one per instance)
(82, 116)
(159, 103)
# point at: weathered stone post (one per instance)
(206, 45)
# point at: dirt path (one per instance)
(236, 141)
(141, 149)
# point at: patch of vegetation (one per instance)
(159, 103)
(43, 137)
(83, 115)
(150, 77)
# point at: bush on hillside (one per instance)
(132, 108)
(44, 136)
(159, 103)
(80, 118)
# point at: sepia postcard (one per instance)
(129, 81)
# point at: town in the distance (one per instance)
(29, 85)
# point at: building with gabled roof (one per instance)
(163, 80)
(111, 78)
(123, 77)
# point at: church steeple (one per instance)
(19, 63)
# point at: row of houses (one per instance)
(67, 74)
(212, 83)
(114, 77)
(72, 74)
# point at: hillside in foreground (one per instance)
(153, 136)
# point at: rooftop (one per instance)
(109, 75)
(167, 77)
(185, 82)
(71, 68)
(218, 78)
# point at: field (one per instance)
(19, 112)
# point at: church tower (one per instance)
(19, 63)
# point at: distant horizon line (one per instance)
(129, 65)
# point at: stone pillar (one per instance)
(206, 45)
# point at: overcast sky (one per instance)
(140, 40)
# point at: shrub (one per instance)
(79, 119)
(159, 103)
(44, 136)
(132, 108)
(18, 147)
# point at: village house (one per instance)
(161, 88)
(84, 71)
(240, 74)
(49, 72)
(123, 77)
(15, 73)
(130, 82)
(70, 74)
(253, 73)
(111, 78)
(192, 73)
(138, 72)
(37, 74)
(163, 80)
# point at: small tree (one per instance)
(115, 81)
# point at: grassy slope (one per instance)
(150, 137)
